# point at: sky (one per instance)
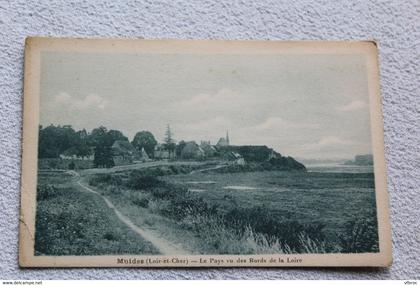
(306, 106)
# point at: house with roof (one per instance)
(235, 158)
(73, 154)
(209, 150)
(143, 155)
(123, 152)
(161, 152)
(192, 150)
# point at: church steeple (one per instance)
(227, 137)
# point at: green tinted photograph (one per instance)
(204, 154)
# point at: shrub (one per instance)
(72, 166)
(46, 192)
(105, 178)
(173, 169)
(182, 206)
(143, 202)
(218, 238)
(360, 236)
(111, 236)
(111, 189)
(58, 163)
(182, 203)
(142, 181)
(261, 221)
(285, 163)
(52, 164)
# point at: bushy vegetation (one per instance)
(284, 163)
(141, 180)
(58, 163)
(143, 202)
(105, 178)
(360, 235)
(46, 192)
(136, 176)
(251, 153)
(57, 140)
(223, 231)
(233, 227)
(70, 222)
(261, 221)
(281, 163)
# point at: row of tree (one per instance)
(57, 140)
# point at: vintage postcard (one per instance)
(171, 153)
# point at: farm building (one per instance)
(124, 153)
(161, 152)
(72, 153)
(192, 151)
(235, 157)
(143, 156)
(209, 150)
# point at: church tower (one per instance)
(224, 141)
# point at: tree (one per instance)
(179, 147)
(103, 156)
(190, 150)
(82, 134)
(146, 140)
(47, 142)
(72, 165)
(54, 140)
(103, 140)
(82, 149)
(169, 142)
(117, 136)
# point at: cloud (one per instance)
(213, 112)
(210, 129)
(353, 106)
(279, 123)
(91, 101)
(217, 123)
(219, 103)
(329, 142)
(217, 98)
(62, 98)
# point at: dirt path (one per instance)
(210, 168)
(138, 166)
(164, 246)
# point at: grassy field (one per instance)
(70, 221)
(207, 212)
(253, 212)
(331, 199)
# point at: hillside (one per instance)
(263, 157)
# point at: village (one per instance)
(62, 147)
(123, 152)
(104, 148)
